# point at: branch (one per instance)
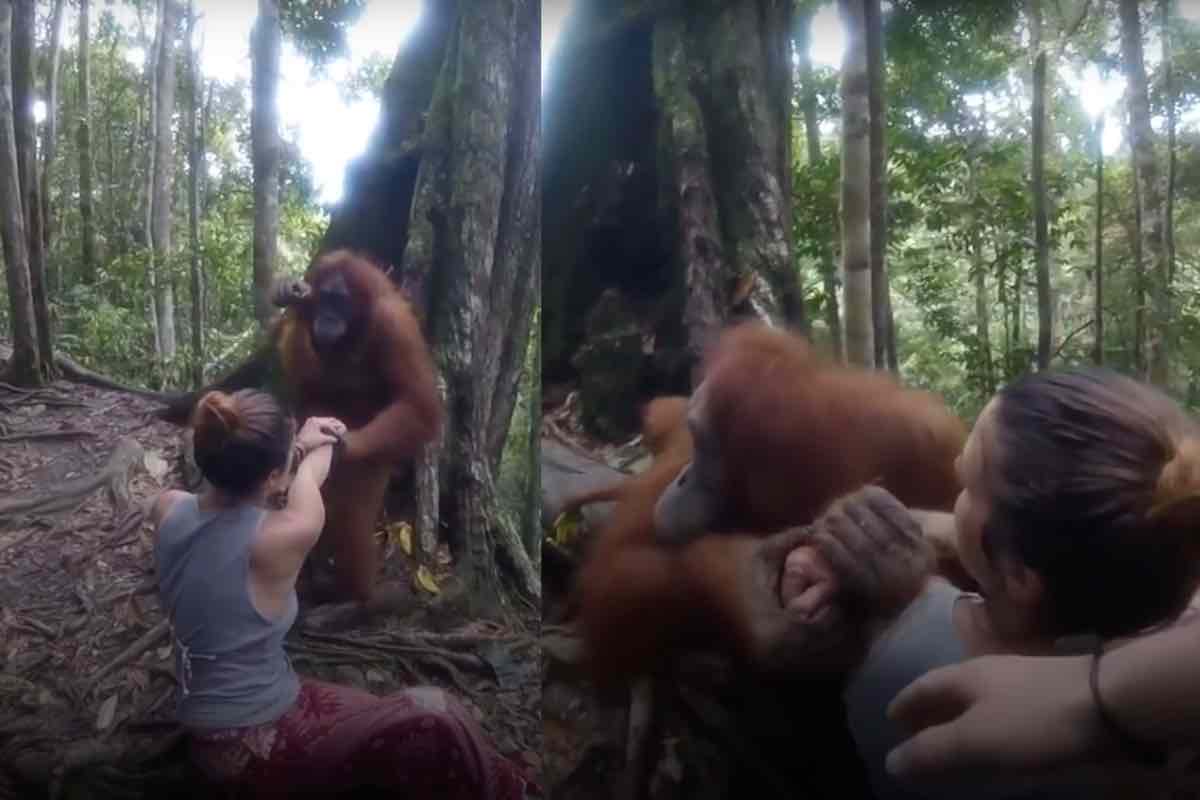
(1067, 339)
(1072, 29)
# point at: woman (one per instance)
(227, 571)
(1077, 519)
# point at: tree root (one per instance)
(37, 435)
(74, 371)
(638, 742)
(115, 476)
(144, 642)
(512, 554)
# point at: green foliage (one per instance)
(318, 27)
(368, 79)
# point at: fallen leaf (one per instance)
(138, 679)
(566, 527)
(164, 652)
(375, 676)
(425, 580)
(156, 465)
(107, 711)
(401, 533)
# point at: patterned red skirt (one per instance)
(337, 739)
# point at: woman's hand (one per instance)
(1000, 714)
(809, 584)
(318, 431)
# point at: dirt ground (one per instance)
(86, 668)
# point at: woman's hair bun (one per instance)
(217, 416)
(1179, 480)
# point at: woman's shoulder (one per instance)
(166, 501)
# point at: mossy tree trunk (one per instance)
(25, 367)
(25, 126)
(474, 249)
(671, 214)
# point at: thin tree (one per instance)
(812, 138)
(883, 322)
(195, 162)
(163, 142)
(88, 233)
(264, 137)
(856, 218)
(1041, 223)
(1098, 311)
(1150, 199)
(25, 367)
(24, 23)
(50, 137)
(1169, 99)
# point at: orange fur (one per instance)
(665, 434)
(795, 433)
(382, 385)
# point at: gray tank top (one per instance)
(229, 658)
(923, 638)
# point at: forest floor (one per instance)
(86, 666)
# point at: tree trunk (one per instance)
(707, 273)
(517, 273)
(979, 271)
(737, 55)
(195, 165)
(856, 158)
(1041, 224)
(882, 323)
(473, 224)
(164, 294)
(812, 138)
(88, 233)
(1150, 198)
(50, 141)
(24, 23)
(1098, 312)
(25, 367)
(264, 137)
(148, 144)
(1169, 92)
(1139, 264)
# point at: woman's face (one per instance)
(971, 508)
(1012, 590)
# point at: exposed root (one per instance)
(115, 476)
(638, 742)
(74, 371)
(35, 435)
(144, 642)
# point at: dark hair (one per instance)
(1095, 487)
(240, 438)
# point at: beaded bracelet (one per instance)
(1135, 747)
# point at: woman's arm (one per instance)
(289, 533)
(1008, 713)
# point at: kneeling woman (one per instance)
(1077, 520)
(227, 569)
